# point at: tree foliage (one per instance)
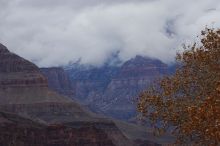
(188, 102)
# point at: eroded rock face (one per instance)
(18, 131)
(145, 143)
(21, 81)
(133, 77)
(112, 90)
(16, 71)
(24, 91)
(73, 127)
(58, 80)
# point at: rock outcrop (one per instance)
(18, 131)
(58, 80)
(111, 90)
(16, 71)
(22, 82)
(133, 77)
(24, 91)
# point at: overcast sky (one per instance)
(55, 32)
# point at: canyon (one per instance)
(33, 114)
(110, 90)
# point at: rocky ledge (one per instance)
(16, 71)
(18, 131)
(24, 91)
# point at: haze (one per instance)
(55, 32)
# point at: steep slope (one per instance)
(19, 131)
(55, 77)
(22, 82)
(111, 90)
(24, 91)
(58, 80)
(89, 80)
(133, 76)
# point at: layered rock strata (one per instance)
(24, 91)
(111, 90)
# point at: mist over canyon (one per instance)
(109, 90)
(72, 72)
(31, 113)
(53, 32)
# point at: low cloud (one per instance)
(55, 32)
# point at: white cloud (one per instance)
(54, 32)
